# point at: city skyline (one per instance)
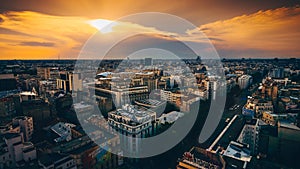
(58, 30)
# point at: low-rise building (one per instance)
(237, 155)
(198, 158)
(56, 161)
(14, 151)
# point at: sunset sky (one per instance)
(46, 29)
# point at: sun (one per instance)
(104, 26)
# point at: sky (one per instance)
(51, 29)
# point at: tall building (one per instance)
(69, 81)
(245, 81)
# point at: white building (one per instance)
(14, 150)
(63, 130)
(245, 81)
(134, 123)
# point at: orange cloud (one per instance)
(35, 35)
(32, 35)
(271, 33)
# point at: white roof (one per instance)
(27, 93)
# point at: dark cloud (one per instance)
(31, 43)
(11, 32)
(1, 20)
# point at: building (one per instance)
(245, 81)
(272, 118)
(63, 130)
(43, 72)
(10, 105)
(38, 109)
(255, 107)
(250, 135)
(28, 96)
(282, 143)
(86, 153)
(47, 88)
(134, 123)
(69, 81)
(120, 96)
(56, 161)
(156, 105)
(173, 96)
(170, 117)
(148, 62)
(83, 110)
(146, 79)
(237, 155)
(14, 151)
(198, 158)
(7, 82)
(190, 103)
(277, 73)
(26, 126)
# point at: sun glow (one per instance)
(104, 26)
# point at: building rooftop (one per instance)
(288, 124)
(170, 117)
(63, 131)
(81, 106)
(133, 114)
(200, 158)
(28, 93)
(238, 151)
